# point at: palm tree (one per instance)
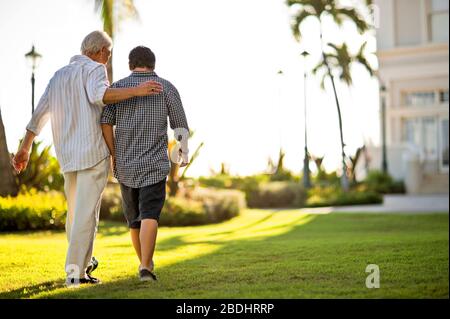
(339, 58)
(7, 183)
(125, 9)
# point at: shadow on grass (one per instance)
(248, 262)
(29, 291)
(190, 272)
(115, 228)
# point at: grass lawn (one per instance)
(260, 254)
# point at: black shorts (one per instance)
(143, 203)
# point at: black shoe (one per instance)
(146, 275)
(71, 282)
(90, 280)
(92, 266)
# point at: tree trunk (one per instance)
(109, 69)
(108, 27)
(8, 185)
(344, 178)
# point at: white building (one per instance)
(412, 41)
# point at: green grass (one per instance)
(260, 254)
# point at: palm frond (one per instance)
(320, 66)
(298, 20)
(361, 59)
(127, 10)
(322, 81)
(106, 12)
(352, 15)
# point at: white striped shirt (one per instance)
(73, 101)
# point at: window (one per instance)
(438, 21)
(411, 131)
(423, 133)
(407, 30)
(443, 96)
(419, 98)
(429, 137)
(444, 143)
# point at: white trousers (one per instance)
(83, 191)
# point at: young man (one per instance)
(139, 149)
(73, 101)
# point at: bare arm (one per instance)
(99, 93)
(108, 135)
(20, 160)
(38, 120)
(146, 88)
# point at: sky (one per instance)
(224, 57)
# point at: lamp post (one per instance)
(384, 166)
(306, 172)
(280, 85)
(33, 57)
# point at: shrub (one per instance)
(383, 183)
(218, 181)
(260, 190)
(245, 184)
(111, 208)
(323, 179)
(182, 212)
(277, 194)
(218, 204)
(33, 211)
(202, 206)
(197, 207)
(334, 196)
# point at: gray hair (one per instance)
(95, 41)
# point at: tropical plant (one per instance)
(112, 13)
(318, 160)
(383, 183)
(7, 183)
(334, 57)
(278, 172)
(353, 162)
(43, 172)
(224, 169)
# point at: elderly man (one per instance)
(73, 101)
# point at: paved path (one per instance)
(417, 204)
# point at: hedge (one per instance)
(33, 211)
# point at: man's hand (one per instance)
(184, 157)
(20, 160)
(149, 88)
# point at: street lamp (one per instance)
(280, 85)
(33, 57)
(306, 172)
(384, 166)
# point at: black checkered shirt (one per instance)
(141, 131)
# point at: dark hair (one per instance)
(141, 57)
